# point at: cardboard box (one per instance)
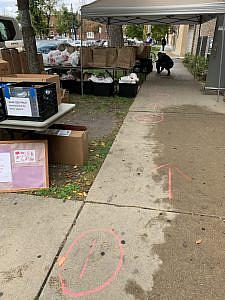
(65, 96)
(17, 68)
(24, 62)
(67, 144)
(41, 62)
(6, 55)
(4, 67)
(35, 78)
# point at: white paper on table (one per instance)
(5, 167)
(24, 156)
(63, 132)
(18, 107)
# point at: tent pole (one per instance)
(221, 59)
(196, 54)
(81, 56)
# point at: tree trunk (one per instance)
(28, 36)
(115, 33)
(48, 24)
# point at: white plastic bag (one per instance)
(74, 59)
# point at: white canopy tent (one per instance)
(153, 11)
(121, 12)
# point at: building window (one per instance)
(90, 35)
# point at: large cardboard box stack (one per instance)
(99, 57)
(6, 55)
(18, 61)
(35, 78)
(143, 51)
(24, 62)
(112, 55)
(41, 62)
(87, 55)
(15, 61)
(4, 67)
(126, 57)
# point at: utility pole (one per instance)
(74, 24)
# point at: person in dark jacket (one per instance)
(163, 42)
(164, 62)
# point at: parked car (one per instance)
(89, 42)
(67, 41)
(77, 43)
(9, 30)
(45, 46)
(101, 43)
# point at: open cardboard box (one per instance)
(4, 67)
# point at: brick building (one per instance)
(185, 39)
(91, 30)
(204, 43)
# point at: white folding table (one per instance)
(64, 108)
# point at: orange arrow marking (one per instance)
(170, 175)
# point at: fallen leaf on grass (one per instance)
(198, 242)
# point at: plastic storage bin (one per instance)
(71, 85)
(103, 89)
(128, 90)
(146, 65)
(30, 101)
(2, 101)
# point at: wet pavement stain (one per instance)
(134, 289)
(193, 255)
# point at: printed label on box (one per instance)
(24, 156)
(64, 132)
(5, 167)
(18, 107)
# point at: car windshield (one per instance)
(45, 46)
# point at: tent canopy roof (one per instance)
(153, 11)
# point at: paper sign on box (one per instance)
(5, 167)
(24, 156)
(18, 107)
(23, 165)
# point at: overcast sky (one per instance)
(8, 7)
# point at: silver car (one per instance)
(9, 30)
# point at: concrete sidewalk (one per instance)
(148, 233)
(152, 226)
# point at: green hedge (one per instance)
(197, 65)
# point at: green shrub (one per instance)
(197, 65)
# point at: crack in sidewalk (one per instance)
(179, 212)
(59, 251)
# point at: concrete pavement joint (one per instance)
(177, 112)
(59, 251)
(179, 212)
